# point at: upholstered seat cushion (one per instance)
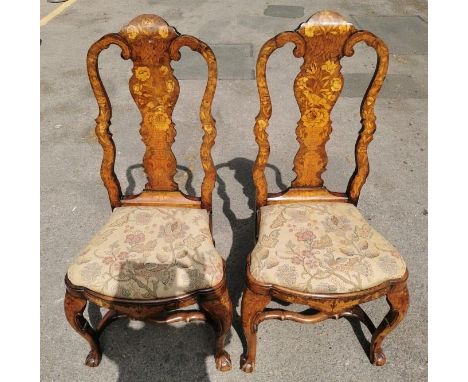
(149, 253)
(322, 248)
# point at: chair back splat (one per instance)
(321, 41)
(152, 44)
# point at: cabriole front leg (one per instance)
(398, 299)
(252, 304)
(74, 307)
(219, 313)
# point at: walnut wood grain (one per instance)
(161, 199)
(178, 316)
(282, 314)
(293, 194)
(186, 316)
(398, 299)
(258, 295)
(317, 87)
(264, 115)
(321, 41)
(215, 307)
(107, 319)
(74, 306)
(219, 311)
(103, 120)
(207, 120)
(252, 305)
(367, 109)
(361, 315)
(152, 44)
(155, 91)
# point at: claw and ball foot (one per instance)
(398, 299)
(223, 361)
(219, 312)
(252, 304)
(93, 358)
(74, 307)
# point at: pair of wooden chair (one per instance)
(156, 254)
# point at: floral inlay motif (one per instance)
(322, 247)
(159, 119)
(142, 73)
(147, 22)
(152, 44)
(163, 31)
(132, 32)
(163, 69)
(326, 22)
(149, 252)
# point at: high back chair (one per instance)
(155, 254)
(313, 245)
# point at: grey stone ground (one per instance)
(74, 202)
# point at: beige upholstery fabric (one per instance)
(149, 253)
(322, 248)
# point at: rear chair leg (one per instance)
(74, 308)
(109, 317)
(252, 304)
(398, 299)
(219, 312)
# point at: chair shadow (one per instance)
(243, 231)
(243, 242)
(156, 352)
(163, 353)
(132, 183)
(357, 329)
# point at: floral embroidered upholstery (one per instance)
(322, 248)
(149, 253)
